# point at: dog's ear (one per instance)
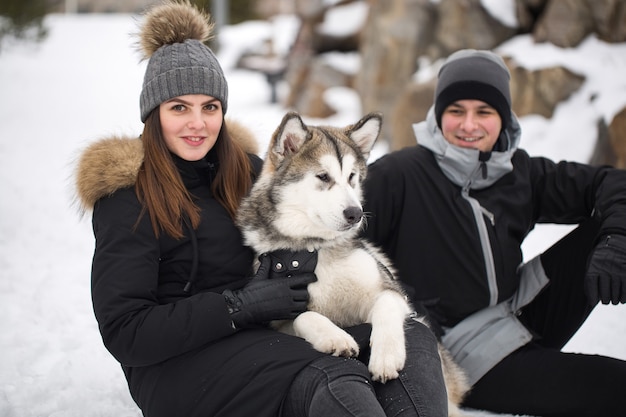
(288, 138)
(365, 132)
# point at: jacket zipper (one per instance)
(479, 216)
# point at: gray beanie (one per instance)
(471, 74)
(179, 62)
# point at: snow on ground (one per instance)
(83, 83)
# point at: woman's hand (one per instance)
(262, 299)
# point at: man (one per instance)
(453, 211)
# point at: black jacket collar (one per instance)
(197, 173)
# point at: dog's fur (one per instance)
(308, 197)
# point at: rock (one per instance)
(609, 18)
(540, 91)
(617, 138)
(396, 34)
(565, 23)
(411, 107)
(466, 24)
(527, 12)
(603, 153)
(320, 76)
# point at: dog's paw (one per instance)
(386, 360)
(324, 335)
(385, 369)
(337, 343)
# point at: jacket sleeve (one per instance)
(383, 195)
(570, 192)
(610, 200)
(135, 328)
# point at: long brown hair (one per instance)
(161, 190)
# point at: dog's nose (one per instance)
(353, 214)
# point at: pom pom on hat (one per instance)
(474, 75)
(173, 23)
(172, 39)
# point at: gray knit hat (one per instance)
(472, 74)
(179, 62)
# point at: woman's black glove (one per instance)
(262, 299)
(606, 275)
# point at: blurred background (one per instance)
(389, 50)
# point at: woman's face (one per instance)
(471, 124)
(190, 125)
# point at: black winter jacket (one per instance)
(178, 349)
(146, 326)
(430, 204)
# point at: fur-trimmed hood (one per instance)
(112, 163)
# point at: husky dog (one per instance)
(308, 198)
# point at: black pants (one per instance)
(341, 387)
(540, 380)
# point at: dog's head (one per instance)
(316, 175)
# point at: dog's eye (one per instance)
(323, 177)
(352, 176)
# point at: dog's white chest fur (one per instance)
(348, 284)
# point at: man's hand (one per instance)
(606, 276)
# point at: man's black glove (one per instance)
(262, 299)
(606, 275)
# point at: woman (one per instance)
(453, 211)
(171, 280)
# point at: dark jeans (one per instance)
(338, 387)
(539, 379)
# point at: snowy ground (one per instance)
(83, 83)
